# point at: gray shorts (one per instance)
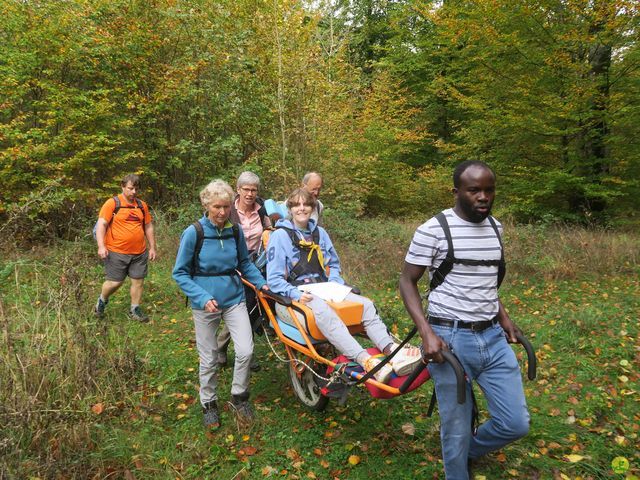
(118, 265)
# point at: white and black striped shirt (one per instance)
(468, 293)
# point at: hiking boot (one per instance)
(211, 417)
(381, 375)
(138, 315)
(406, 360)
(221, 360)
(255, 366)
(243, 408)
(98, 310)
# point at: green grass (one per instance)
(60, 362)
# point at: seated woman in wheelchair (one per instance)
(299, 252)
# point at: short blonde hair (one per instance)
(216, 190)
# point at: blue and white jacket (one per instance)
(282, 256)
(217, 255)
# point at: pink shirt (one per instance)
(251, 225)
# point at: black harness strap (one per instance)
(447, 264)
(305, 266)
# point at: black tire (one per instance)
(305, 386)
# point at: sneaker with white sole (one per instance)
(381, 375)
(406, 360)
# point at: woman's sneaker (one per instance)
(406, 360)
(211, 417)
(381, 375)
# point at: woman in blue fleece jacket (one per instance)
(285, 276)
(213, 286)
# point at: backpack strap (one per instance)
(195, 272)
(502, 266)
(139, 204)
(141, 207)
(116, 200)
(262, 211)
(196, 251)
(447, 264)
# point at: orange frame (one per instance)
(308, 349)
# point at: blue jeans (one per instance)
(488, 359)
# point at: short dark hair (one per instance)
(462, 166)
(133, 178)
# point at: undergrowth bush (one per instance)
(57, 363)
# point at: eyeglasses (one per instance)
(249, 190)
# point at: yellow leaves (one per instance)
(354, 460)
(620, 440)
(623, 378)
(574, 458)
(98, 408)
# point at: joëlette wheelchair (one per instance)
(318, 374)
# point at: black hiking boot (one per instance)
(243, 409)
(211, 417)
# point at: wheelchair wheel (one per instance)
(305, 384)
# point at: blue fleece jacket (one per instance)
(282, 256)
(217, 255)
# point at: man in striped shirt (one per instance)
(466, 317)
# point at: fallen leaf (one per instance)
(409, 428)
(573, 458)
(249, 450)
(98, 408)
(501, 457)
(268, 470)
(354, 459)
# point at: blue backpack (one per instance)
(116, 199)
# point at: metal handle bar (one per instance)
(532, 361)
(286, 301)
(457, 369)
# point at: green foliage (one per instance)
(377, 95)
